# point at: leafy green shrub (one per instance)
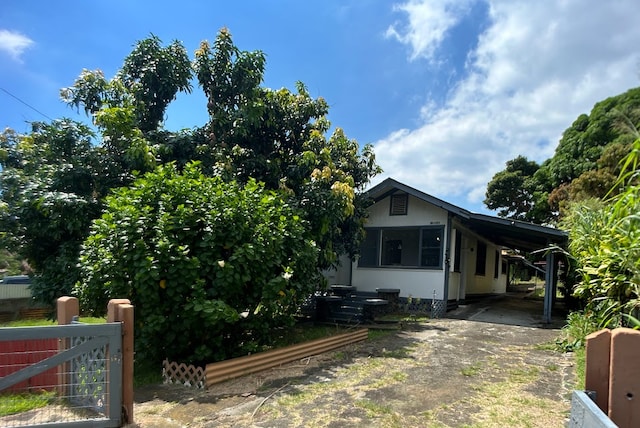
(604, 239)
(211, 267)
(579, 325)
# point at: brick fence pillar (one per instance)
(597, 370)
(66, 309)
(121, 310)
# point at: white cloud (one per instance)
(429, 22)
(14, 43)
(537, 66)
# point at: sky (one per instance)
(447, 91)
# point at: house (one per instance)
(438, 252)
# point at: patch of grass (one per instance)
(580, 356)
(379, 334)
(399, 376)
(523, 374)
(39, 322)
(93, 320)
(373, 409)
(339, 356)
(10, 404)
(28, 323)
(546, 346)
(366, 375)
(396, 353)
(308, 393)
(302, 333)
(509, 403)
(471, 370)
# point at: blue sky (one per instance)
(446, 90)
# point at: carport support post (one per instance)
(549, 287)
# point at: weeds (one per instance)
(579, 326)
(11, 404)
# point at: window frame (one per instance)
(378, 245)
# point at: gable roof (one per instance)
(514, 234)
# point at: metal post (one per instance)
(549, 288)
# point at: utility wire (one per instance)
(30, 106)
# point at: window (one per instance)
(418, 247)
(399, 204)
(481, 258)
(430, 255)
(369, 249)
(400, 247)
(496, 265)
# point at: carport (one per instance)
(526, 237)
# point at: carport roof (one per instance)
(514, 234)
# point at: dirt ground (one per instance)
(488, 364)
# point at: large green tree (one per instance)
(279, 137)
(254, 134)
(513, 191)
(584, 165)
(49, 197)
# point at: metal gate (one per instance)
(76, 371)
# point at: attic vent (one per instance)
(399, 204)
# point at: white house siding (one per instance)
(419, 213)
(487, 283)
(411, 282)
(342, 275)
(454, 286)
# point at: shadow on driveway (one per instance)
(510, 309)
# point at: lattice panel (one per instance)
(438, 308)
(89, 377)
(183, 374)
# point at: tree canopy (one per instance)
(55, 181)
(604, 239)
(584, 165)
(512, 191)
